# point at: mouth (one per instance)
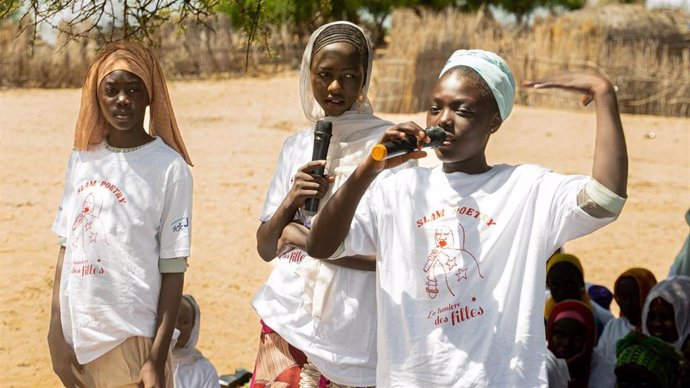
(122, 115)
(450, 139)
(335, 101)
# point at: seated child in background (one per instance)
(630, 291)
(645, 361)
(571, 335)
(565, 280)
(191, 369)
(666, 314)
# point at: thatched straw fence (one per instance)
(192, 51)
(646, 53)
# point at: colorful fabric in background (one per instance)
(655, 355)
(600, 295)
(676, 291)
(645, 280)
(572, 259)
(92, 127)
(581, 312)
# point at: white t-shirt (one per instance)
(461, 271)
(199, 373)
(331, 319)
(120, 213)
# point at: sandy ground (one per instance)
(234, 131)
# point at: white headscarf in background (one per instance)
(495, 72)
(188, 353)
(312, 110)
(355, 133)
(676, 291)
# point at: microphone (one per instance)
(408, 144)
(322, 139)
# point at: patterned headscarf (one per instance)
(655, 355)
(676, 291)
(92, 127)
(645, 280)
(312, 110)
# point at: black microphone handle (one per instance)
(322, 140)
(397, 147)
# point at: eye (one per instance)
(463, 112)
(434, 109)
(110, 91)
(350, 76)
(324, 74)
(133, 90)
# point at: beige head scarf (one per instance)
(92, 127)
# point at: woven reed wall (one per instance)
(646, 54)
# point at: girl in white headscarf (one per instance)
(319, 319)
(191, 369)
(666, 312)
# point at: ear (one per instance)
(495, 122)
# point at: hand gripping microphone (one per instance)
(408, 144)
(322, 139)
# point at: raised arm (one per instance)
(610, 166)
(305, 186)
(333, 221)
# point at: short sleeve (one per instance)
(362, 236)
(60, 226)
(176, 218)
(280, 183)
(566, 218)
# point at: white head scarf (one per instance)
(676, 291)
(188, 353)
(495, 72)
(312, 111)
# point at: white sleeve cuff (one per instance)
(605, 198)
(62, 241)
(338, 252)
(176, 265)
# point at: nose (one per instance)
(335, 87)
(445, 119)
(122, 99)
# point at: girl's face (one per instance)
(564, 282)
(468, 119)
(123, 99)
(567, 338)
(337, 76)
(628, 298)
(661, 321)
(185, 323)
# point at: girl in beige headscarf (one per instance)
(124, 227)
